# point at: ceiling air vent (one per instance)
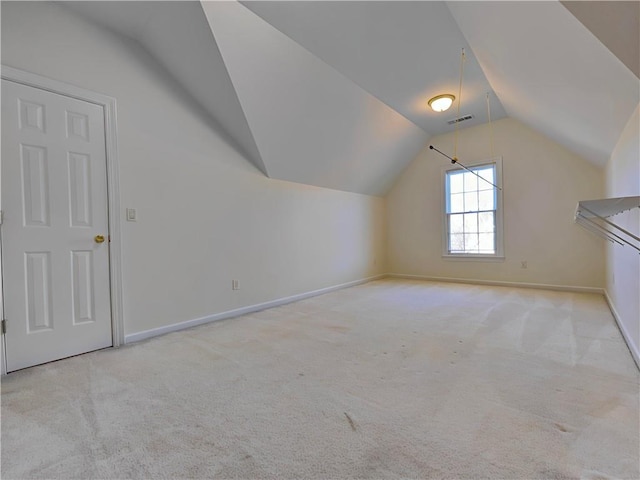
(460, 119)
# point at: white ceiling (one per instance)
(311, 124)
(334, 94)
(553, 73)
(178, 36)
(616, 24)
(403, 53)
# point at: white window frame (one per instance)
(499, 254)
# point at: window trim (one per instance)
(479, 257)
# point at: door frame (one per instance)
(108, 105)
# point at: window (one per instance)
(472, 212)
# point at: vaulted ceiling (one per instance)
(335, 94)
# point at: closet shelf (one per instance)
(593, 214)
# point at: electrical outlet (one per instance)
(235, 284)
(523, 264)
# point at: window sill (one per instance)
(473, 258)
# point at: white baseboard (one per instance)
(541, 286)
(154, 332)
(635, 352)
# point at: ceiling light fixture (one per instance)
(440, 103)
(450, 98)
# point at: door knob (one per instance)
(99, 238)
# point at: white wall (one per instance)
(623, 263)
(542, 184)
(206, 215)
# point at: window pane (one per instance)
(470, 182)
(471, 242)
(486, 200)
(455, 223)
(470, 222)
(471, 211)
(456, 243)
(487, 243)
(457, 203)
(455, 183)
(486, 222)
(487, 173)
(471, 202)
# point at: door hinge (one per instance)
(1, 216)
(3, 328)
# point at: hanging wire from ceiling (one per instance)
(454, 159)
(455, 139)
(491, 151)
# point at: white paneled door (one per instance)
(55, 250)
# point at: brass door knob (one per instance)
(99, 238)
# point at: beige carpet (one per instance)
(390, 379)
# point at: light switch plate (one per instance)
(131, 214)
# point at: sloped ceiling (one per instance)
(311, 124)
(178, 36)
(335, 94)
(616, 24)
(551, 72)
(403, 53)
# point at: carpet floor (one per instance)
(391, 379)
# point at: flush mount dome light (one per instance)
(440, 103)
